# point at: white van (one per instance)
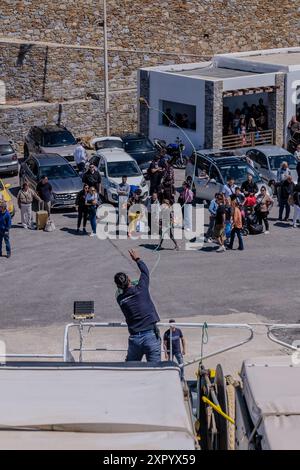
(113, 163)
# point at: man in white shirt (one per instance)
(229, 188)
(80, 156)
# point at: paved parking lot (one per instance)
(48, 271)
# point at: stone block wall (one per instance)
(140, 33)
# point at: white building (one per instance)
(200, 97)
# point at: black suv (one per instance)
(50, 139)
(140, 148)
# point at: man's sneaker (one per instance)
(8, 255)
(209, 240)
(267, 232)
(84, 231)
(294, 225)
(222, 248)
(93, 234)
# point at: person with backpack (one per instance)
(263, 205)
(237, 224)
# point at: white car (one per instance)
(113, 163)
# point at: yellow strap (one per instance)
(217, 409)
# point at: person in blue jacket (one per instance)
(5, 224)
(140, 314)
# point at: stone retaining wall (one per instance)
(140, 33)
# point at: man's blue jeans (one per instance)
(179, 359)
(5, 236)
(144, 343)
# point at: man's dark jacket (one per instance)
(136, 304)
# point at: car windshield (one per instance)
(239, 172)
(109, 144)
(58, 139)
(119, 169)
(138, 144)
(55, 172)
(276, 161)
(6, 149)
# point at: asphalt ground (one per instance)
(48, 271)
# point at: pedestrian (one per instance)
(44, 191)
(82, 208)
(213, 206)
(229, 188)
(237, 224)
(297, 153)
(263, 204)
(286, 190)
(155, 173)
(140, 314)
(153, 208)
(167, 224)
(249, 186)
(178, 344)
(168, 182)
(92, 177)
(25, 198)
(123, 191)
(80, 156)
(219, 231)
(5, 224)
(92, 202)
(282, 173)
(298, 166)
(186, 198)
(137, 213)
(240, 197)
(296, 199)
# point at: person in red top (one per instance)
(250, 200)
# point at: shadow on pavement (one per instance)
(282, 224)
(72, 231)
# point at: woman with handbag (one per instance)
(92, 202)
(263, 204)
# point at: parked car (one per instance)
(63, 178)
(218, 166)
(140, 148)
(50, 139)
(8, 157)
(267, 159)
(113, 163)
(5, 195)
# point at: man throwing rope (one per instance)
(140, 314)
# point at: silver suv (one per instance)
(64, 180)
(50, 139)
(214, 168)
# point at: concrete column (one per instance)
(213, 114)
(143, 111)
(276, 111)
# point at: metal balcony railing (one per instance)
(250, 139)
